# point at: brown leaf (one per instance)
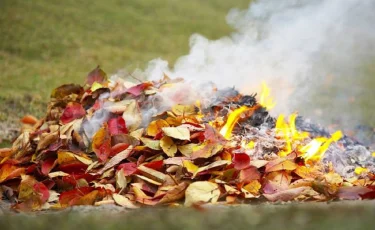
(280, 164)
(153, 174)
(174, 194)
(123, 201)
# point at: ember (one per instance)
(114, 142)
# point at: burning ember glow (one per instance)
(115, 142)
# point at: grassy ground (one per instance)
(46, 43)
(345, 215)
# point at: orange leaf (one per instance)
(101, 143)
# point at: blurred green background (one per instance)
(45, 43)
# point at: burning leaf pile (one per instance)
(116, 142)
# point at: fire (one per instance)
(265, 97)
(233, 117)
(288, 131)
(314, 151)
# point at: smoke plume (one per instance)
(300, 48)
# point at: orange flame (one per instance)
(265, 98)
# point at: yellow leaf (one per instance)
(121, 181)
(152, 144)
(64, 157)
(180, 133)
(123, 201)
(155, 127)
(132, 116)
(187, 149)
(168, 146)
(201, 192)
(190, 166)
(253, 187)
(137, 134)
(181, 110)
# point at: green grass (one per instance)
(340, 216)
(46, 43)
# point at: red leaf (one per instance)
(249, 174)
(129, 168)
(47, 165)
(118, 148)
(72, 111)
(42, 190)
(138, 89)
(241, 161)
(117, 126)
(76, 168)
(156, 165)
(96, 75)
(72, 179)
(69, 198)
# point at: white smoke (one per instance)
(296, 46)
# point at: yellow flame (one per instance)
(265, 98)
(288, 131)
(249, 145)
(233, 117)
(314, 151)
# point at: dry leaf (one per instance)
(168, 146)
(123, 201)
(201, 192)
(180, 133)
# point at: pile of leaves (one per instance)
(95, 147)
